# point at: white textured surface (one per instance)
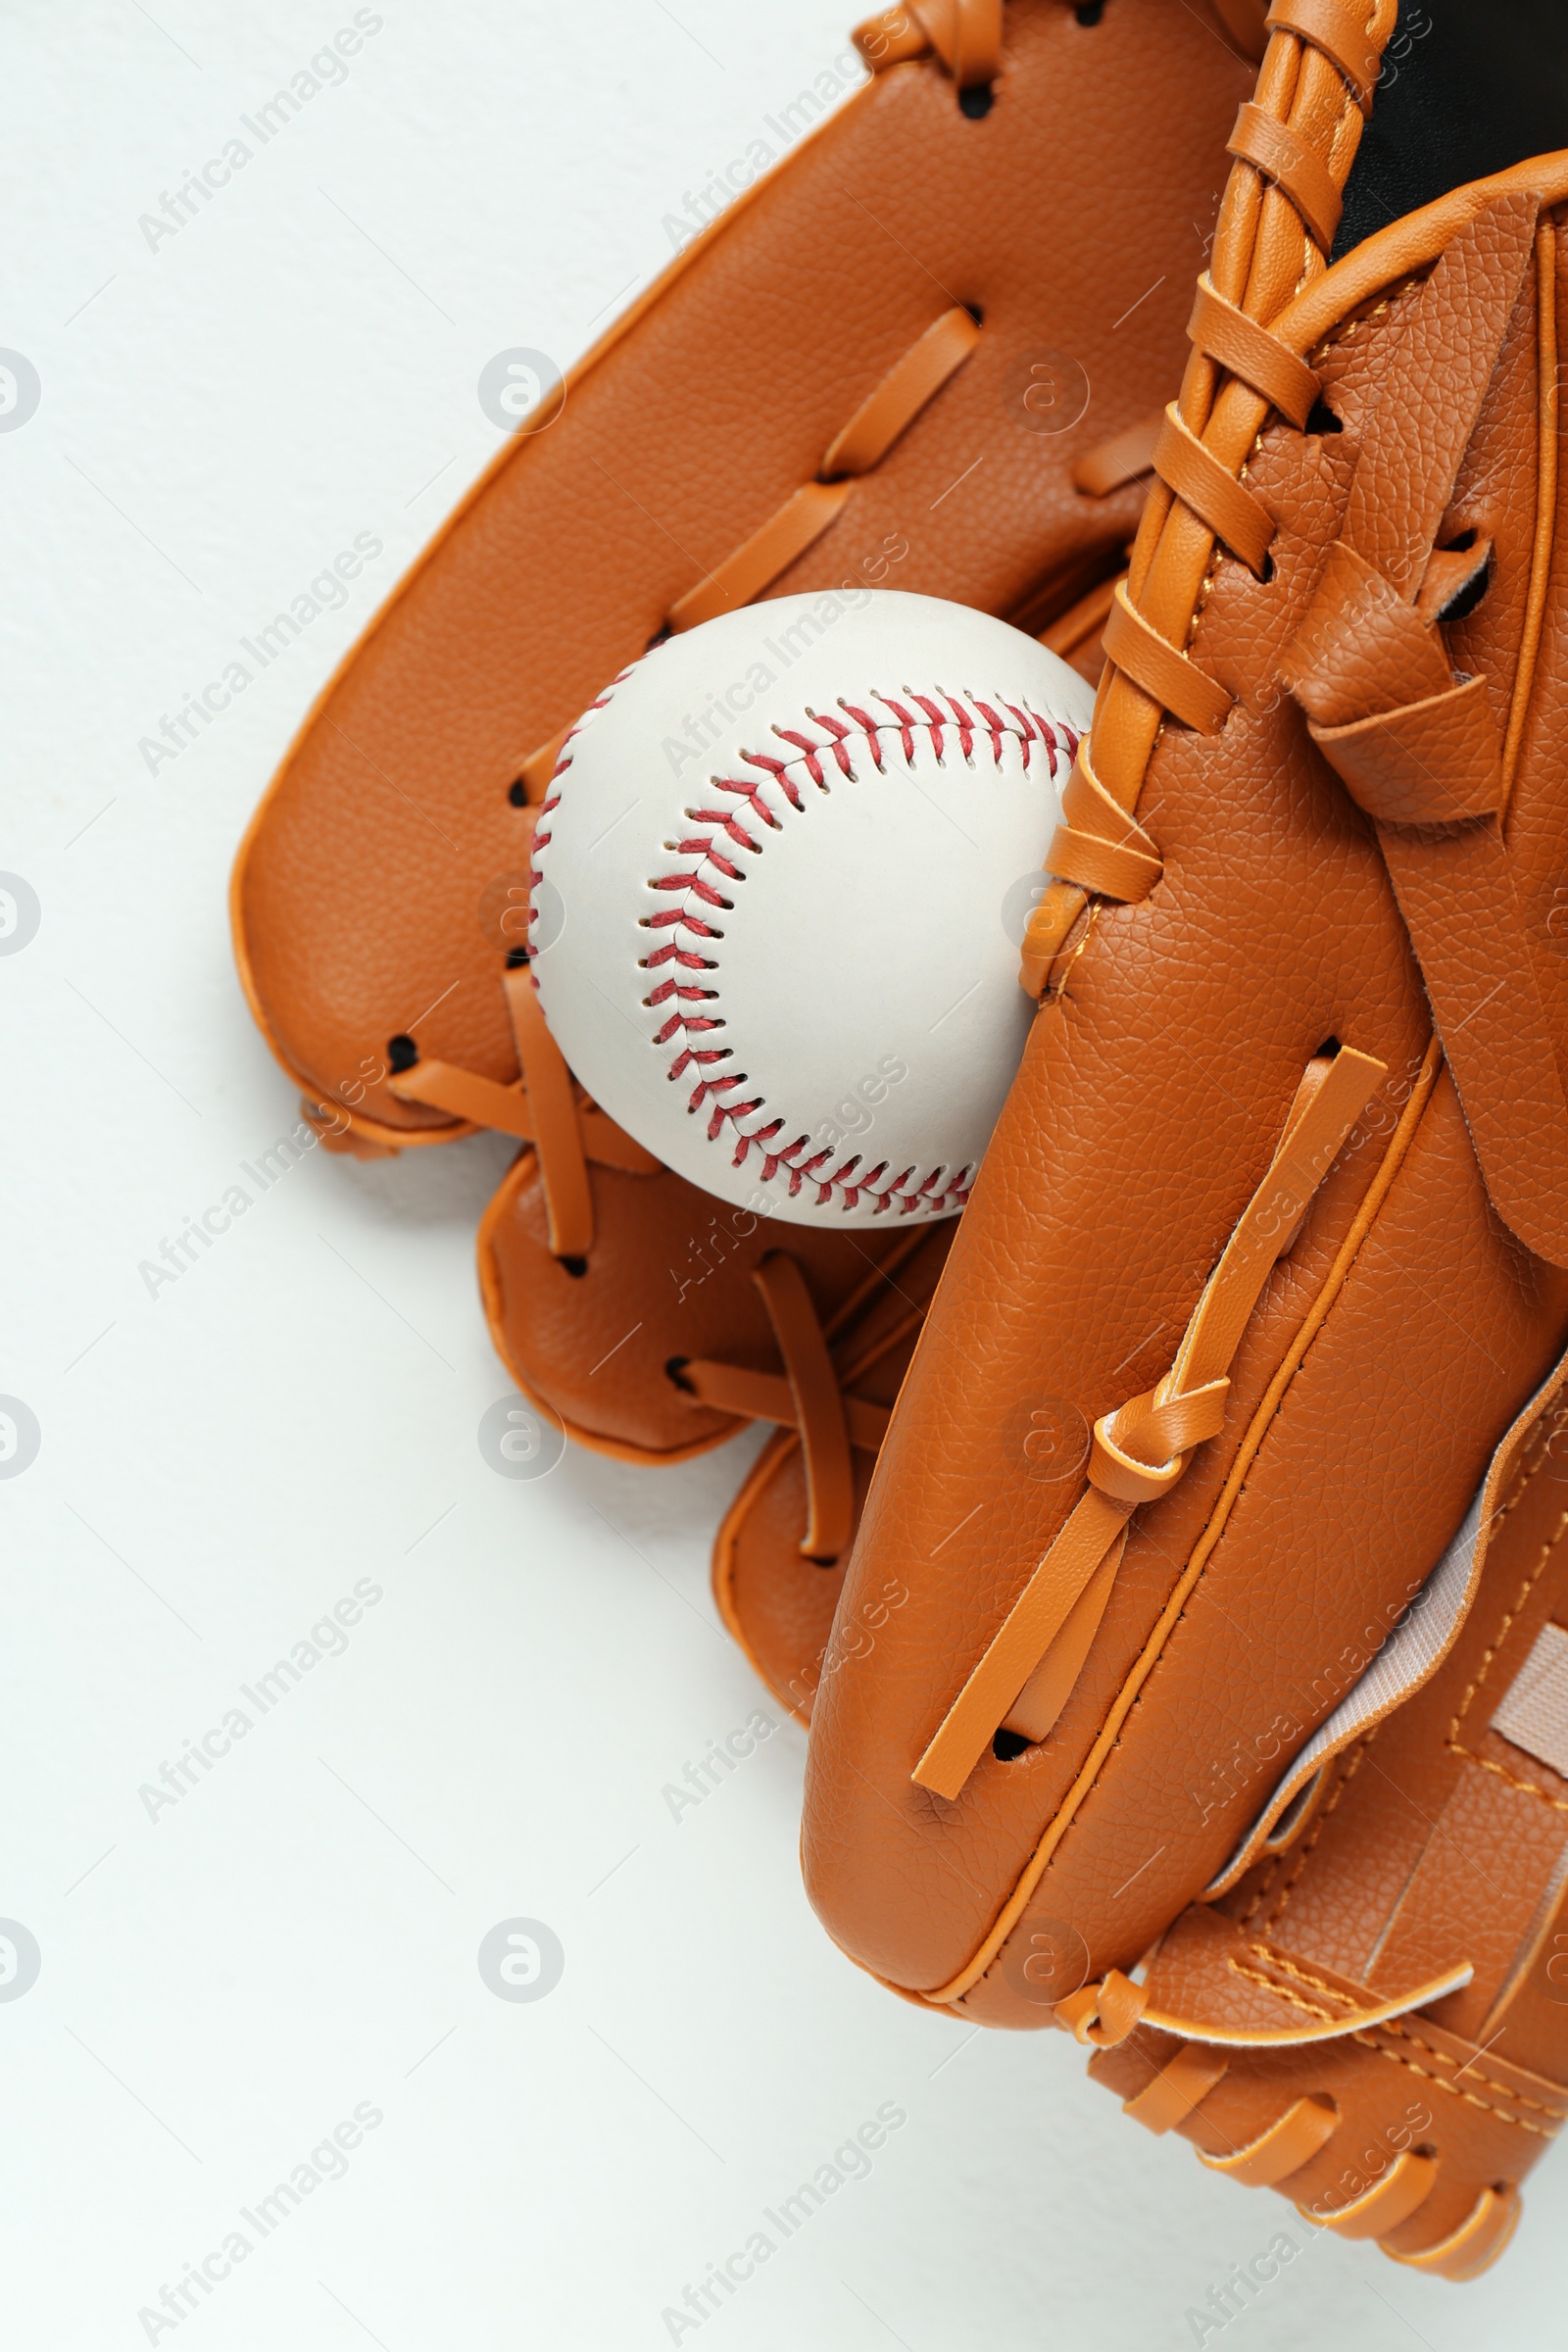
(223, 1461)
(800, 989)
(1534, 1713)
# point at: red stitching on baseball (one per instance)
(703, 1061)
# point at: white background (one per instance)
(222, 1462)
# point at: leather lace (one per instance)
(1294, 143)
(1023, 1679)
(815, 1393)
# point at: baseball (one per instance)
(780, 882)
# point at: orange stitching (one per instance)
(1304, 1975)
(1558, 1804)
(1408, 2033)
(1349, 1764)
(1427, 2075)
(1535, 1459)
(1282, 1993)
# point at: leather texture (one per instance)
(1435, 1850)
(363, 894)
(1405, 1325)
(775, 1591)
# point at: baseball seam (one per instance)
(692, 930)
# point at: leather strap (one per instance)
(1296, 168)
(1473, 2247)
(818, 1413)
(1230, 510)
(966, 35)
(1338, 29)
(1216, 1979)
(902, 393)
(1392, 2199)
(1104, 2014)
(1291, 2141)
(1164, 672)
(1140, 1451)
(1119, 458)
(1045, 934)
(1455, 892)
(1261, 265)
(892, 38)
(557, 1137)
(1437, 761)
(485, 1102)
(768, 1396)
(1099, 845)
(1418, 748)
(1227, 336)
(1103, 867)
(758, 562)
(1182, 2084)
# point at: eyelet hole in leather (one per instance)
(1007, 1746)
(402, 1053)
(518, 792)
(1471, 594)
(1090, 13)
(1322, 420)
(576, 1267)
(976, 103)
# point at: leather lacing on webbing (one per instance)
(1028, 1670)
(815, 1394)
(1280, 211)
(1303, 2128)
(1294, 143)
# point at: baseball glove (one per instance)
(1269, 1243)
(994, 268)
(1373, 2017)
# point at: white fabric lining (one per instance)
(1411, 1654)
(1534, 1711)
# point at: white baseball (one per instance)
(781, 878)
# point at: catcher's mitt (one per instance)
(996, 267)
(1272, 1265)
(1373, 2019)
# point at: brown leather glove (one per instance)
(384, 880)
(1287, 1262)
(1374, 2018)
(776, 1582)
